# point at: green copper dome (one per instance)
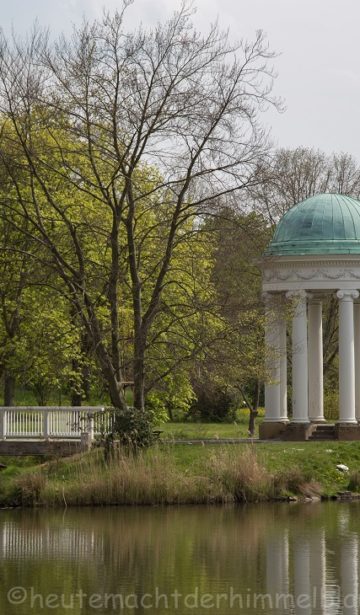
(322, 224)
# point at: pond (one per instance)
(285, 558)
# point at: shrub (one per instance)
(132, 429)
(213, 403)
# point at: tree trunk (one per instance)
(115, 386)
(254, 409)
(116, 391)
(76, 398)
(86, 382)
(9, 388)
(139, 378)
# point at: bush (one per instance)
(214, 404)
(132, 429)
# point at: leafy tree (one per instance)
(16, 272)
(83, 119)
(233, 368)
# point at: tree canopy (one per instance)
(116, 144)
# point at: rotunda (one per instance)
(315, 251)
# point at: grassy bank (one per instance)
(184, 475)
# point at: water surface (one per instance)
(284, 559)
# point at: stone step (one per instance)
(322, 437)
(323, 432)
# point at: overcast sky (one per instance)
(318, 66)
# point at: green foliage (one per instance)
(234, 360)
(121, 276)
(132, 428)
(214, 403)
(172, 399)
(331, 405)
(155, 407)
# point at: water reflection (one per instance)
(282, 559)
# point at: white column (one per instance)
(346, 356)
(302, 585)
(299, 359)
(315, 341)
(272, 359)
(357, 359)
(277, 564)
(349, 575)
(318, 570)
(283, 367)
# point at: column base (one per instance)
(347, 431)
(298, 432)
(271, 429)
(301, 421)
(317, 419)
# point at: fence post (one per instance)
(90, 426)
(46, 426)
(3, 423)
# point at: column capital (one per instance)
(347, 295)
(297, 294)
(315, 298)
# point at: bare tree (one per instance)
(124, 139)
(296, 174)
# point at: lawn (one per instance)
(191, 431)
(316, 460)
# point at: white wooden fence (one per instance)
(18, 542)
(53, 422)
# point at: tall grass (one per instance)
(242, 477)
(155, 477)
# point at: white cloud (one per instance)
(318, 68)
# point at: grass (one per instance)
(184, 474)
(190, 431)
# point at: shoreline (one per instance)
(183, 474)
(291, 500)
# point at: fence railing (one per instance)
(51, 422)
